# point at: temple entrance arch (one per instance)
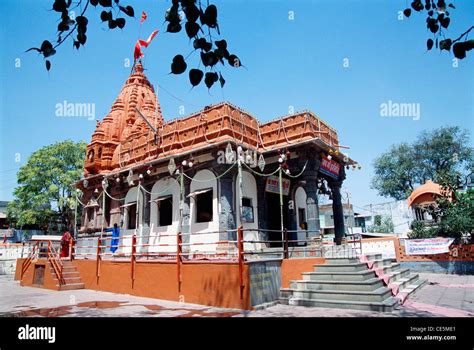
(248, 216)
(132, 217)
(204, 210)
(164, 215)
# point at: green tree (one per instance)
(457, 219)
(396, 172)
(382, 225)
(45, 192)
(435, 155)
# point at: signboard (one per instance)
(330, 167)
(273, 185)
(427, 246)
(265, 282)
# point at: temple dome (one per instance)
(123, 120)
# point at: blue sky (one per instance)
(289, 64)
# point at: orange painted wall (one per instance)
(214, 284)
(28, 277)
(19, 263)
(291, 269)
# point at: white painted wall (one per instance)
(163, 188)
(300, 202)
(202, 180)
(249, 190)
(131, 197)
(8, 255)
(384, 247)
(401, 214)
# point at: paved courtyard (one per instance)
(444, 295)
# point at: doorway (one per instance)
(272, 201)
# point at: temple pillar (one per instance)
(310, 177)
(186, 220)
(338, 212)
(262, 214)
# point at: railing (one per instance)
(33, 254)
(219, 246)
(234, 245)
(55, 261)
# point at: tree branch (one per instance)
(73, 29)
(463, 34)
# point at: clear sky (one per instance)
(294, 53)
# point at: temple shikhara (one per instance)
(216, 208)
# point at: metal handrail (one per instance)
(27, 262)
(55, 262)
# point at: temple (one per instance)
(210, 172)
(216, 209)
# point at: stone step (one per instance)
(71, 286)
(382, 262)
(405, 281)
(373, 256)
(338, 276)
(340, 267)
(69, 280)
(66, 269)
(365, 285)
(393, 267)
(337, 261)
(377, 295)
(71, 273)
(413, 286)
(396, 275)
(384, 306)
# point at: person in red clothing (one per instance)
(65, 239)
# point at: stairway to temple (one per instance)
(348, 283)
(71, 278)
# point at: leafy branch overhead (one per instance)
(69, 26)
(199, 22)
(438, 19)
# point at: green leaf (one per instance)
(59, 5)
(195, 76)
(179, 65)
(105, 3)
(173, 27)
(210, 79)
(105, 15)
(128, 10)
(234, 61)
(221, 80)
(120, 22)
(429, 44)
(459, 50)
(445, 44)
(192, 28)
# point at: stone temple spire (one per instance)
(118, 124)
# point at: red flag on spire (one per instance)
(138, 52)
(144, 16)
